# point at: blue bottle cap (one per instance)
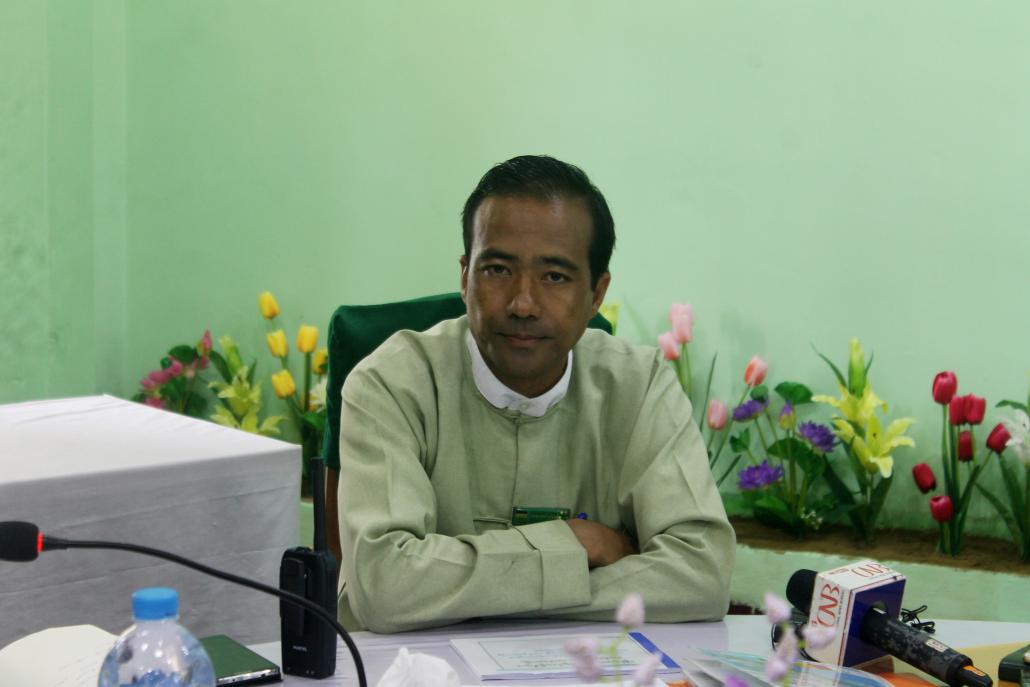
(155, 603)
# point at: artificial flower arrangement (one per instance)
(173, 385)
(787, 457)
(238, 393)
(674, 346)
(868, 446)
(961, 415)
(307, 405)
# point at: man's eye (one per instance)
(495, 270)
(556, 277)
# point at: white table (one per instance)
(748, 634)
(108, 469)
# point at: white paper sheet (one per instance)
(56, 657)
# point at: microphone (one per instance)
(22, 541)
(861, 601)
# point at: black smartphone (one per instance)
(1012, 666)
(235, 664)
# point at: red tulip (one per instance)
(957, 410)
(718, 413)
(998, 438)
(944, 386)
(965, 445)
(975, 407)
(941, 508)
(922, 473)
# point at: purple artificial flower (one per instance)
(819, 436)
(749, 410)
(759, 476)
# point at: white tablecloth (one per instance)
(107, 469)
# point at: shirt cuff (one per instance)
(565, 573)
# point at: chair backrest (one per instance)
(357, 330)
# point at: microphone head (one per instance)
(799, 589)
(19, 541)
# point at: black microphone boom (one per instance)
(21, 541)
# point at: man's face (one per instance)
(526, 284)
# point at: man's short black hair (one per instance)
(545, 178)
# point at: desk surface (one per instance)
(749, 634)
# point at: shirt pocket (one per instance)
(487, 524)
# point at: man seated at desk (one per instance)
(515, 405)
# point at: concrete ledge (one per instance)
(948, 592)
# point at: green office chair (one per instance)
(354, 332)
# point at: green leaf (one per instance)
(791, 448)
(1012, 404)
(250, 371)
(1011, 482)
(708, 384)
(774, 512)
(221, 365)
(315, 420)
(760, 392)
(840, 377)
(1014, 529)
(741, 442)
(794, 393)
(736, 504)
(184, 354)
(195, 406)
(718, 482)
(870, 363)
(877, 499)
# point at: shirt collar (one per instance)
(500, 396)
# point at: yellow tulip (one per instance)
(277, 343)
(282, 383)
(307, 338)
(269, 306)
(320, 362)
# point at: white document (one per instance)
(515, 658)
(56, 657)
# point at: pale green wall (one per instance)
(800, 172)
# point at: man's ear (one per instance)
(463, 261)
(599, 291)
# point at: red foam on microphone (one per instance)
(39, 543)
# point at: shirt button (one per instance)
(523, 406)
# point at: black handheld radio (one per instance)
(308, 643)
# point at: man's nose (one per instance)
(524, 301)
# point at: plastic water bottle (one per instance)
(156, 651)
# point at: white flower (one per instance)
(583, 652)
(776, 609)
(817, 636)
(630, 613)
(643, 676)
(775, 668)
(1019, 433)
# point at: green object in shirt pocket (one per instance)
(526, 515)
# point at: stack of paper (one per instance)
(523, 658)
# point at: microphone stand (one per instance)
(50, 543)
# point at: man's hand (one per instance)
(603, 544)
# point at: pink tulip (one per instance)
(204, 345)
(175, 369)
(681, 317)
(670, 347)
(155, 402)
(754, 373)
(147, 383)
(718, 414)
